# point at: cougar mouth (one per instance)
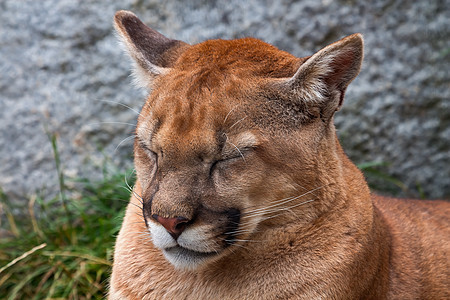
(185, 258)
(181, 251)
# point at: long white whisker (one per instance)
(282, 209)
(260, 208)
(247, 241)
(242, 155)
(140, 222)
(269, 211)
(228, 114)
(241, 246)
(274, 203)
(138, 197)
(118, 199)
(127, 189)
(136, 205)
(294, 206)
(124, 140)
(239, 231)
(126, 182)
(111, 122)
(238, 122)
(146, 233)
(124, 105)
(287, 200)
(145, 240)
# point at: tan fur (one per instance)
(238, 138)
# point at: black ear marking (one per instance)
(149, 42)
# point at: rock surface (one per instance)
(63, 72)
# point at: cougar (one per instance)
(244, 192)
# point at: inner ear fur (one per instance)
(323, 78)
(152, 52)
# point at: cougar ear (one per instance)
(152, 52)
(323, 78)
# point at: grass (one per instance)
(374, 175)
(66, 251)
(62, 248)
(381, 182)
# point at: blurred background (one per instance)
(67, 114)
(62, 71)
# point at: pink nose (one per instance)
(175, 226)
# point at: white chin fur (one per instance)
(189, 253)
(160, 237)
(182, 258)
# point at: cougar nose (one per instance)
(175, 226)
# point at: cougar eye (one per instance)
(215, 164)
(228, 159)
(152, 154)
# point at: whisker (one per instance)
(112, 122)
(228, 114)
(237, 122)
(281, 210)
(142, 235)
(126, 182)
(248, 226)
(140, 222)
(285, 201)
(124, 105)
(144, 238)
(241, 246)
(272, 203)
(247, 241)
(227, 141)
(138, 198)
(127, 201)
(118, 199)
(259, 221)
(138, 214)
(135, 205)
(294, 206)
(127, 189)
(238, 231)
(145, 241)
(140, 232)
(242, 155)
(124, 140)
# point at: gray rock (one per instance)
(62, 69)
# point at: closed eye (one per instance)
(227, 158)
(215, 164)
(152, 154)
(239, 151)
(238, 145)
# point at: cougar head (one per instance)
(228, 143)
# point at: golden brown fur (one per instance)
(236, 147)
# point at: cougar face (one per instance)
(196, 193)
(193, 156)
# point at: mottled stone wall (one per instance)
(61, 68)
